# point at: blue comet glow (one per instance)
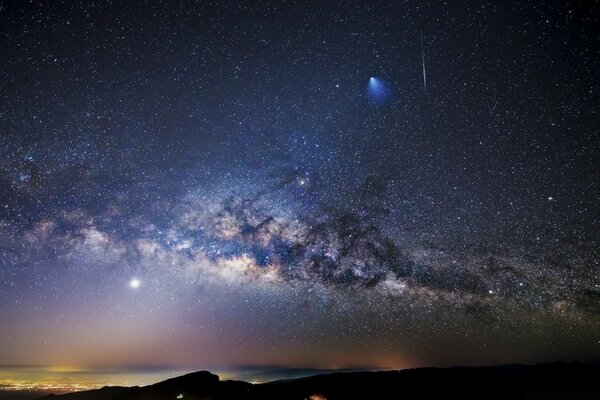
(377, 90)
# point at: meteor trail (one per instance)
(423, 63)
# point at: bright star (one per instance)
(134, 283)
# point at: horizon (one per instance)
(61, 380)
(576, 379)
(387, 185)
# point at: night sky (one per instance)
(383, 184)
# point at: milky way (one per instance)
(221, 185)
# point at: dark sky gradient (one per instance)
(278, 209)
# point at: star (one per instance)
(134, 283)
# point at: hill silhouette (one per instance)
(557, 380)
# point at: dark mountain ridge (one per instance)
(556, 380)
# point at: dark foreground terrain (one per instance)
(554, 381)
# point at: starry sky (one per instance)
(211, 184)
